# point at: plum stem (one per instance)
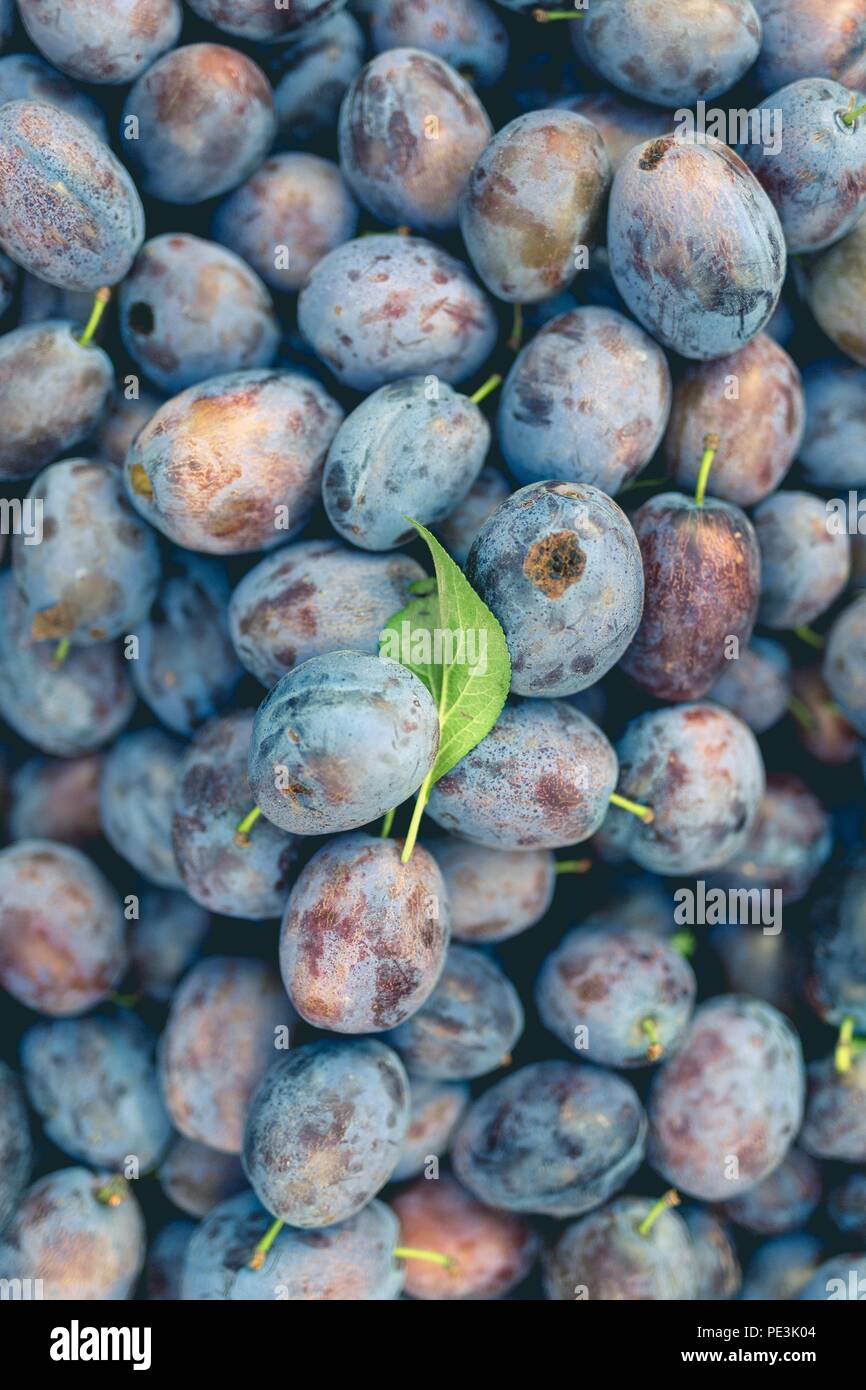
(431, 1257)
(850, 116)
(113, 1192)
(516, 329)
(711, 444)
(242, 832)
(99, 303)
(844, 1051)
(671, 1198)
(387, 823)
(61, 651)
(572, 866)
(487, 389)
(545, 16)
(414, 824)
(809, 636)
(265, 1243)
(644, 813)
(801, 712)
(655, 1049)
(643, 482)
(683, 942)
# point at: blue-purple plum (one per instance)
(554, 1138)
(15, 1143)
(467, 34)
(261, 21)
(790, 841)
(714, 1254)
(541, 779)
(833, 452)
(757, 686)
(102, 41)
(832, 286)
(823, 730)
(586, 401)
(837, 980)
(844, 667)
(804, 564)
(311, 76)
(57, 798)
(801, 39)
(783, 1201)
(461, 526)
(780, 1268)
(333, 1107)
(197, 1178)
(606, 1256)
(436, 1109)
(340, 740)
(165, 939)
(769, 966)
(136, 802)
(560, 567)
(165, 1260)
(719, 286)
(494, 893)
(620, 122)
(26, 77)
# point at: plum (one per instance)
(57, 798)
(197, 1178)
(136, 802)
(612, 1255)
(757, 686)
(436, 1109)
(783, 1201)
(102, 41)
(15, 1144)
(844, 667)
(790, 841)
(494, 893)
(832, 284)
(833, 452)
(804, 564)
(461, 526)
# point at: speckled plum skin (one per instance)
(702, 572)
(833, 452)
(759, 431)
(610, 980)
(233, 465)
(403, 452)
(53, 394)
(833, 283)
(93, 1084)
(783, 1201)
(804, 565)
(715, 1256)
(206, 120)
(399, 166)
(700, 770)
(25, 77)
(494, 893)
(364, 937)
(82, 1249)
(835, 1123)
(836, 987)
(297, 201)
(69, 212)
(187, 668)
(844, 667)
(213, 796)
(335, 1108)
(224, 1029)
(96, 571)
(789, 843)
(780, 1268)
(467, 34)
(621, 123)
(492, 1251)
(816, 180)
(261, 21)
(586, 401)
(136, 801)
(339, 741)
(349, 1262)
(459, 529)
(315, 597)
(560, 567)
(169, 931)
(801, 39)
(57, 798)
(606, 1255)
(757, 686)
(846, 1205)
(533, 199)
(541, 779)
(15, 1143)
(437, 1107)
(384, 307)
(553, 1138)
(311, 75)
(102, 41)
(62, 933)
(734, 1091)
(721, 287)
(469, 1024)
(835, 1275)
(190, 310)
(197, 1178)
(63, 710)
(671, 55)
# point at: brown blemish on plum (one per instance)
(554, 563)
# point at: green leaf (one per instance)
(456, 647)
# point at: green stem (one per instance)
(415, 823)
(112, 1193)
(655, 1049)
(572, 866)
(850, 116)
(843, 1053)
(644, 813)
(99, 303)
(242, 833)
(265, 1244)
(711, 444)
(684, 942)
(387, 823)
(642, 482)
(670, 1199)
(61, 651)
(544, 16)
(809, 636)
(801, 712)
(489, 386)
(516, 329)
(432, 1257)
